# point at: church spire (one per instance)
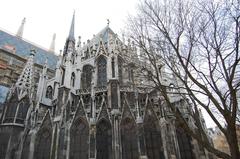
(71, 32)
(21, 28)
(52, 46)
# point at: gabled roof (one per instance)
(22, 48)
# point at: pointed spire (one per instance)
(71, 32)
(25, 79)
(21, 28)
(52, 46)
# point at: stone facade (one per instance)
(97, 106)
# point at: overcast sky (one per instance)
(46, 17)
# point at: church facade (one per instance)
(97, 106)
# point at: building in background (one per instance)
(98, 105)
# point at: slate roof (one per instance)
(23, 49)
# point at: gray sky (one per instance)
(46, 17)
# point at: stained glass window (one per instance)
(22, 112)
(86, 78)
(102, 71)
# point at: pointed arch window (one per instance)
(43, 144)
(102, 71)
(153, 139)
(104, 140)
(79, 135)
(49, 92)
(22, 112)
(113, 67)
(11, 109)
(86, 78)
(73, 79)
(120, 70)
(129, 139)
(184, 143)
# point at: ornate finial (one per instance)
(108, 22)
(21, 28)
(52, 46)
(79, 42)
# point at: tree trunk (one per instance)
(233, 143)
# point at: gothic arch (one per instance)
(152, 134)
(104, 139)
(11, 108)
(43, 142)
(184, 143)
(86, 77)
(101, 71)
(120, 70)
(22, 111)
(49, 92)
(79, 136)
(73, 78)
(129, 139)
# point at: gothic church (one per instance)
(97, 106)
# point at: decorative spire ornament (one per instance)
(21, 28)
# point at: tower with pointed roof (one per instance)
(97, 106)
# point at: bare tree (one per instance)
(199, 42)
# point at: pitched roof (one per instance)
(23, 47)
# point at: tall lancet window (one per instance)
(22, 111)
(120, 70)
(102, 71)
(129, 139)
(184, 143)
(113, 67)
(86, 78)
(43, 144)
(104, 140)
(79, 134)
(49, 92)
(152, 134)
(73, 79)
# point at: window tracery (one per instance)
(86, 78)
(102, 71)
